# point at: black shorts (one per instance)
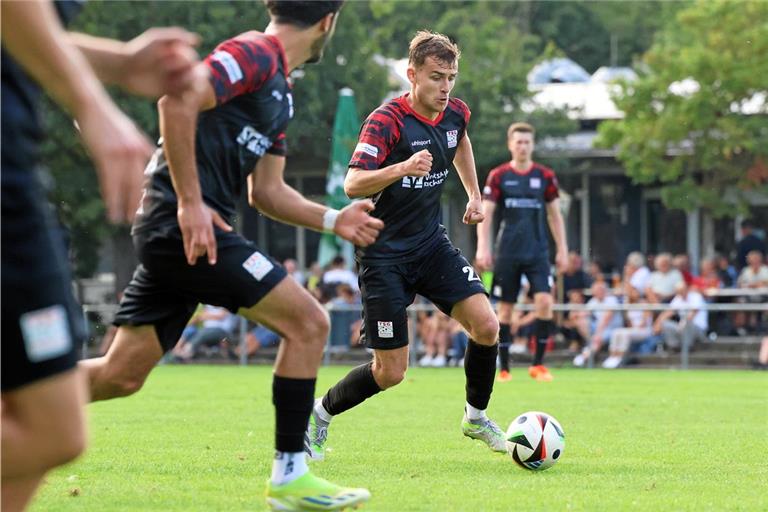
(165, 289)
(42, 324)
(506, 279)
(444, 276)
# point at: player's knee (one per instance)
(124, 383)
(387, 377)
(317, 326)
(486, 330)
(68, 447)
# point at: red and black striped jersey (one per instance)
(249, 76)
(410, 207)
(522, 197)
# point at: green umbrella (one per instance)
(345, 129)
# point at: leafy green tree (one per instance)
(695, 119)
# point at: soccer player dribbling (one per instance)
(401, 161)
(226, 131)
(527, 194)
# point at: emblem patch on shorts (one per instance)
(497, 291)
(386, 329)
(258, 265)
(46, 333)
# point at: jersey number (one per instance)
(471, 276)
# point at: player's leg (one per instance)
(303, 324)
(506, 287)
(386, 294)
(43, 427)
(477, 317)
(544, 326)
(450, 282)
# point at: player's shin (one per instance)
(479, 368)
(293, 400)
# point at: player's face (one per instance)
(318, 47)
(431, 84)
(521, 146)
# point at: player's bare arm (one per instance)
(33, 35)
(557, 228)
(465, 165)
(158, 61)
(270, 194)
(484, 255)
(178, 122)
(363, 183)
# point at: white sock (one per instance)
(320, 410)
(288, 466)
(473, 413)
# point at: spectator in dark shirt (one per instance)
(574, 277)
(749, 242)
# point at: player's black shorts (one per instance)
(444, 276)
(42, 324)
(506, 278)
(165, 289)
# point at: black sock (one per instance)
(480, 368)
(505, 339)
(293, 399)
(543, 329)
(352, 390)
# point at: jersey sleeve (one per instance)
(239, 66)
(378, 136)
(492, 190)
(279, 147)
(552, 188)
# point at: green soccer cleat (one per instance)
(315, 437)
(486, 431)
(309, 492)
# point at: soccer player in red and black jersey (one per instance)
(405, 150)
(525, 190)
(225, 132)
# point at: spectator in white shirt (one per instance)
(639, 327)
(693, 324)
(604, 322)
(636, 273)
(755, 274)
(338, 274)
(663, 281)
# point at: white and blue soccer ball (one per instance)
(535, 440)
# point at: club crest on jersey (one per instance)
(453, 138)
(253, 140)
(535, 182)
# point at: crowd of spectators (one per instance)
(645, 279)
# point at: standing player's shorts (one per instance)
(506, 278)
(444, 276)
(165, 289)
(42, 324)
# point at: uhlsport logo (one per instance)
(452, 136)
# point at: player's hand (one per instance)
(119, 151)
(419, 164)
(483, 259)
(561, 262)
(356, 225)
(160, 61)
(196, 221)
(474, 212)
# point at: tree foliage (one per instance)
(500, 42)
(696, 118)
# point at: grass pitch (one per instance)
(200, 439)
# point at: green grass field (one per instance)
(200, 439)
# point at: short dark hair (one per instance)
(303, 14)
(431, 44)
(522, 128)
(747, 224)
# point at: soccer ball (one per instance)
(535, 440)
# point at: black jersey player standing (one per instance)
(402, 159)
(527, 193)
(43, 394)
(222, 134)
